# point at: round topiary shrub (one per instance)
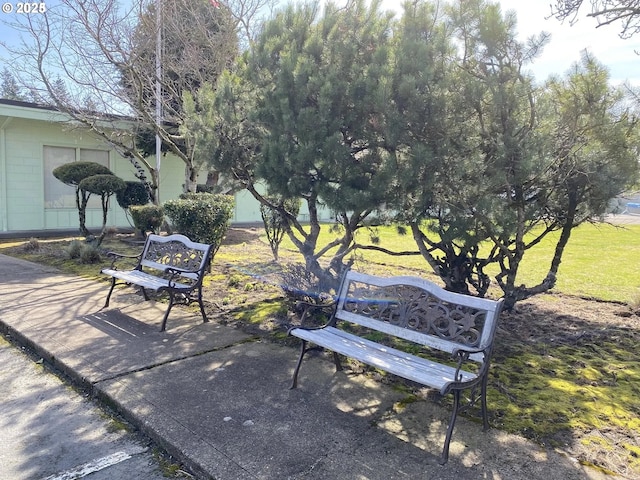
(203, 217)
(134, 193)
(147, 218)
(104, 185)
(73, 173)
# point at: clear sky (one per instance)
(564, 49)
(567, 41)
(9, 14)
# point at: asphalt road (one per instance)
(49, 431)
(623, 219)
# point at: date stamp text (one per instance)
(24, 8)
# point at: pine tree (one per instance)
(9, 88)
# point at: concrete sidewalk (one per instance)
(218, 400)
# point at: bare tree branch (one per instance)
(101, 54)
(606, 12)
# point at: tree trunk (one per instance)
(191, 178)
(83, 199)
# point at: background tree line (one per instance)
(428, 119)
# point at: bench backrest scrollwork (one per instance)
(419, 311)
(178, 252)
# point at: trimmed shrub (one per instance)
(203, 217)
(104, 185)
(134, 193)
(73, 174)
(147, 218)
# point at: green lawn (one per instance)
(602, 261)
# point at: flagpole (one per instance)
(158, 92)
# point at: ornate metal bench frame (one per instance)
(172, 264)
(418, 311)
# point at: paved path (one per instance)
(49, 431)
(218, 400)
(623, 219)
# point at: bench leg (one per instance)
(113, 284)
(144, 293)
(303, 350)
(201, 303)
(172, 301)
(445, 450)
(483, 404)
(336, 360)
(166, 314)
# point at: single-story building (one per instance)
(35, 139)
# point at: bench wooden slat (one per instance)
(411, 367)
(145, 280)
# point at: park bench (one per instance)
(414, 311)
(172, 264)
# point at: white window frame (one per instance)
(57, 195)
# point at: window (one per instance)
(56, 193)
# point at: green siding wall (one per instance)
(23, 134)
(24, 185)
(22, 190)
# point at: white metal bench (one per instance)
(172, 264)
(417, 311)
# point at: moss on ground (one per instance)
(552, 392)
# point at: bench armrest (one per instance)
(115, 256)
(327, 308)
(308, 307)
(464, 351)
(461, 355)
(174, 273)
(180, 271)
